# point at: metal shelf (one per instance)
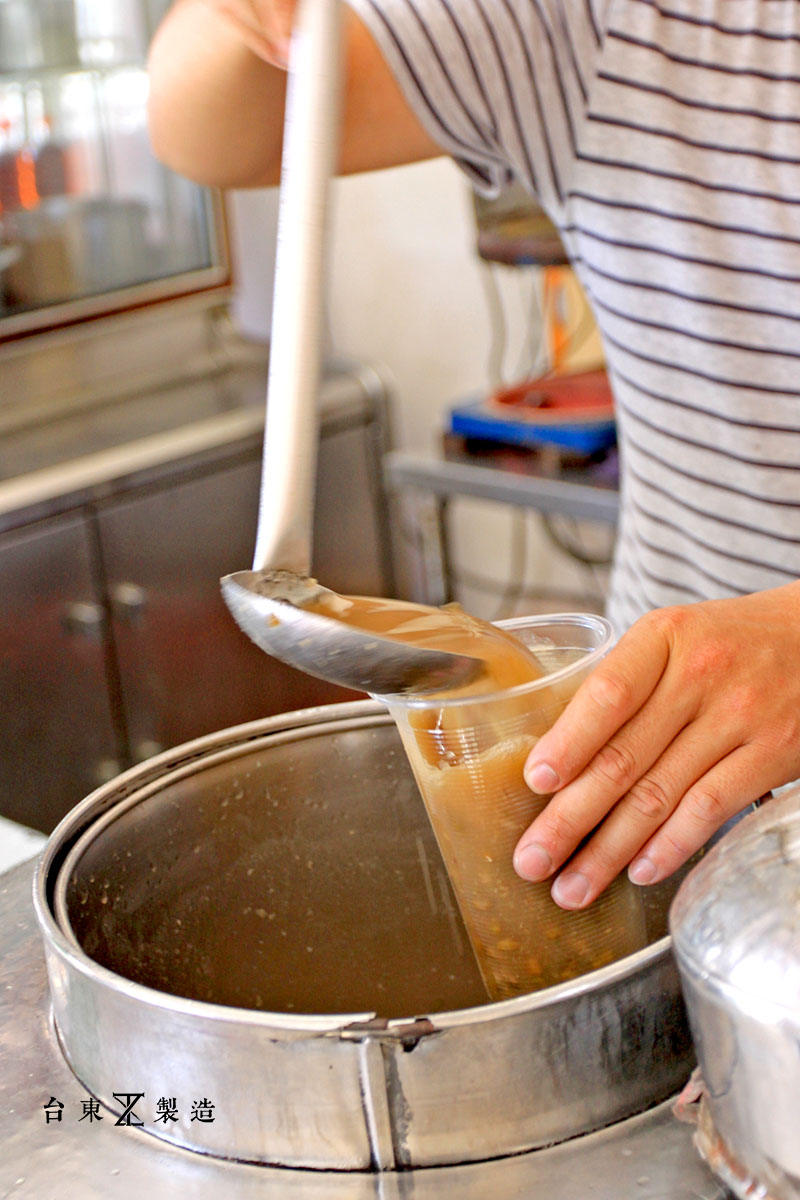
(447, 478)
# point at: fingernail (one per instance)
(533, 862)
(642, 871)
(571, 890)
(541, 778)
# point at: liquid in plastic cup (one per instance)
(467, 755)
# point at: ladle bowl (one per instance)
(271, 608)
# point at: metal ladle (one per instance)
(269, 602)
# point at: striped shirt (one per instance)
(663, 139)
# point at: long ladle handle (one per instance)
(310, 142)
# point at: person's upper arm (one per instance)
(216, 108)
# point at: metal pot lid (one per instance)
(735, 920)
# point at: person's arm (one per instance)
(694, 714)
(217, 99)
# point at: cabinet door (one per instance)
(186, 669)
(57, 736)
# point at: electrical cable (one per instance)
(511, 593)
(498, 327)
(515, 589)
(464, 578)
(573, 544)
(575, 341)
(536, 364)
(580, 335)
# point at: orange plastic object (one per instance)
(578, 396)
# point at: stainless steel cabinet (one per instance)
(57, 722)
(114, 640)
(185, 668)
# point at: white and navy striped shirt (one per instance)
(663, 139)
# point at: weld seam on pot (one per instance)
(372, 1076)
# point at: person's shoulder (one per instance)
(216, 107)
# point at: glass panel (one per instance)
(85, 209)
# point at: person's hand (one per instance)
(694, 714)
(265, 26)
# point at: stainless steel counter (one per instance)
(649, 1157)
(105, 449)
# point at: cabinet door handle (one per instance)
(105, 770)
(85, 617)
(147, 748)
(129, 600)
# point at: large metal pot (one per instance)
(736, 930)
(187, 905)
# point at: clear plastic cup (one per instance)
(467, 755)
